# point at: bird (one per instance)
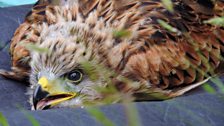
(145, 49)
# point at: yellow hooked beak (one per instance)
(47, 95)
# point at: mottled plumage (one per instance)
(158, 60)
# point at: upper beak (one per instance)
(38, 95)
(45, 96)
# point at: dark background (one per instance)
(196, 108)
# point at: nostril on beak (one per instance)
(38, 95)
(45, 88)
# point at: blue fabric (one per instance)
(196, 108)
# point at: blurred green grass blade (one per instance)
(3, 120)
(33, 121)
(217, 81)
(167, 26)
(168, 4)
(34, 47)
(90, 70)
(121, 33)
(99, 116)
(217, 21)
(132, 114)
(208, 88)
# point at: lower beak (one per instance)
(44, 100)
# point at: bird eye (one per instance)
(75, 76)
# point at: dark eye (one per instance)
(75, 76)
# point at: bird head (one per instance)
(57, 78)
